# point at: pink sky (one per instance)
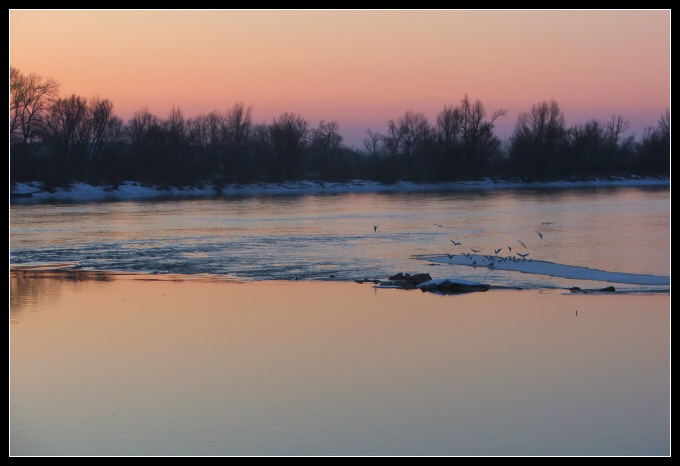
(360, 68)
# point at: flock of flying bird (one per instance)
(491, 259)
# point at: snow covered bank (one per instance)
(79, 192)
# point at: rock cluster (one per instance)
(607, 289)
(424, 282)
(401, 280)
(452, 287)
(407, 281)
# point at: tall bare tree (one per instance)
(537, 141)
(326, 142)
(373, 143)
(447, 138)
(236, 132)
(326, 137)
(416, 132)
(477, 137)
(30, 98)
(102, 124)
(238, 123)
(175, 129)
(654, 150)
(66, 128)
(448, 125)
(614, 131)
(664, 124)
(288, 135)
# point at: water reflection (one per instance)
(31, 288)
(201, 367)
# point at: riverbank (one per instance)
(80, 192)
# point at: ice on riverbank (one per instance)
(513, 263)
(81, 192)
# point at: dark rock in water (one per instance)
(417, 278)
(367, 280)
(449, 287)
(576, 289)
(424, 282)
(407, 281)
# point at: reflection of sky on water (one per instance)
(174, 366)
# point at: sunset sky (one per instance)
(360, 68)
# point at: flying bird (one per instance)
(540, 234)
(454, 243)
(375, 228)
(450, 255)
(520, 242)
(509, 249)
(496, 251)
(523, 255)
(474, 250)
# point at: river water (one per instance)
(344, 237)
(207, 345)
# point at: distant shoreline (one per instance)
(32, 193)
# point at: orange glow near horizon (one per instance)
(358, 67)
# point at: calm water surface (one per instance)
(108, 365)
(332, 237)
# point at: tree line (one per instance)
(57, 140)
